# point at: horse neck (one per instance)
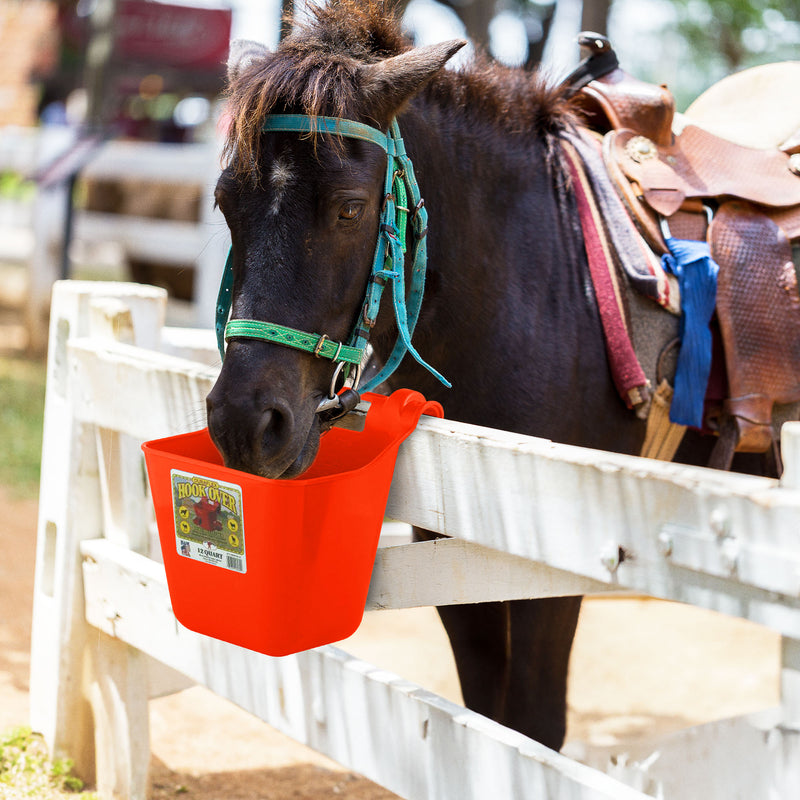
(509, 315)
(484, 183)
(485, 189)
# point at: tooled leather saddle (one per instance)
(679, 176)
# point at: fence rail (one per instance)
(529, 518)
(32, 227)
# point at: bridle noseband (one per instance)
(401, 199)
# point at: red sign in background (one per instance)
(171, 35)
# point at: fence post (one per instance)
(789, 785)
(49, 210)
(64, 648)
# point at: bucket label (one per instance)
(209, 520)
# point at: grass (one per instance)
(21, 412)
(27, 771)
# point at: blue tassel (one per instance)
(696, 271)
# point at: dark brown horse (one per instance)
(509, 314)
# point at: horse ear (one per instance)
(393, 81)
(242, 53)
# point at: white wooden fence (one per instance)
(33, 231)
(528, 518)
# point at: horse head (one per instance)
(304, 214)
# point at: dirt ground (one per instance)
(639, 666)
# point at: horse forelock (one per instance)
(315, 71)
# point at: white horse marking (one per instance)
(279, 179)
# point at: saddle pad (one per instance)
(758, 307)
(631, 247)
(626, 371)
(701, 165)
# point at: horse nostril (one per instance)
(274, 429)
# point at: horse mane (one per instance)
(315, 71)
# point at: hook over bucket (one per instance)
(278, 566)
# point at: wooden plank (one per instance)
(21, 151)
(166, 241)
(451, 571)
(117, 690)
(753, 756)
(200, 244)
(152, 161)
(192, 344)
(579, 510)
(338, 705)
(203, 244)
(155, 395)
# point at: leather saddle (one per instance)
(712, 174)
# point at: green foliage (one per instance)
(22, 385)
(27, 771)
(14, 186)
(743, 32)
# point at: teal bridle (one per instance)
(401, 199)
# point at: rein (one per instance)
(401, 199)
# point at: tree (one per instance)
(743, 32)
(594, 16)
(476, 16)
(537, 18)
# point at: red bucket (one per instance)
(278, 566)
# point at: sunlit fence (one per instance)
(526, 518)
(33, 216)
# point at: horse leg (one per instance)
(512, 659)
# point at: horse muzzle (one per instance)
(261, 430)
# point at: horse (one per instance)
(510, 316)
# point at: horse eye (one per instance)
(350, 211)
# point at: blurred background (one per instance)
(149, 66)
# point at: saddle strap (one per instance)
(758, 307)
(662, 436)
